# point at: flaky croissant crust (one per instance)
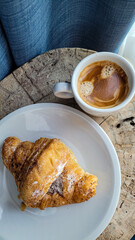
(47, 173)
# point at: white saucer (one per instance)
(95, 154)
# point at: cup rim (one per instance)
(102, 110)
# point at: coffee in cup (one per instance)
(103, 84)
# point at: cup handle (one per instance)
(63, 90)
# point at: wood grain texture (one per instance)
(33, 83)
(120, 127)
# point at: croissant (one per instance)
(47, 173)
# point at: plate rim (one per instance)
(117, 172)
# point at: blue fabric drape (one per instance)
(31, 27)
(6, 60)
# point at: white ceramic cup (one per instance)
(69, 90)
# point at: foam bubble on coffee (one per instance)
(107, 71)
(86, 88)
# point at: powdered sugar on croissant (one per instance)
(47, 173)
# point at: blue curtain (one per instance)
(31, 27)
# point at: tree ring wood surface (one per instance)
(33, 83)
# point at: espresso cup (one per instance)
(70, 90)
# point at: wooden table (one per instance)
(33, 83)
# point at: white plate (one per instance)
(95, 154)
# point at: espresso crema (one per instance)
(103, 84)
